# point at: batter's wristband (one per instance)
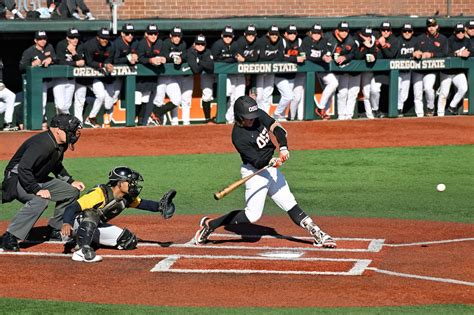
(283, 148)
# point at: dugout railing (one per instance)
(34, 77)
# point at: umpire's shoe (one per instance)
(86, 254)
(10, 242)
(204, 231)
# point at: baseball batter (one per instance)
(251, 138)
(87, 218)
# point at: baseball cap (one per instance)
(41, 35)
(470, 24)
(104, 33)
(228, 31)
(459, 28)
(317, 28)
(128, 28)
(200, 39)
(366, 31)
(407, 27)
(343, 26)
(386, 26)
(73, 33)
(151, 29)
(251, 30)
(291, 29)
(177, 31)
(431, 21)
(273, 30)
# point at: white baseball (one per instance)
(441, 187)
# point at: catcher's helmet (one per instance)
(126, 174)
(245, 107)
(69, 124)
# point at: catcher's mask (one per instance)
(245, 107)
(70, 125)
(126, 174)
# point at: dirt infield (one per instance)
(378, 262)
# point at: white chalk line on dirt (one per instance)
(407, 275)
(430, 242)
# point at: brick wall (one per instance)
(195, 9)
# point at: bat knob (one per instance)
(217, 196)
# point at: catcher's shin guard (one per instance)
(85, 233)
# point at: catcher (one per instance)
(86, 220)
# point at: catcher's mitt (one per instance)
(166, 205)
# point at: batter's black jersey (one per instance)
(315, 50)
(200, 62)
(65, 57)
(270, 51)
(36, 158)
(97, 56)
(437, 44)
(254, 144)
(222, 52)
(406, 47)
(249, 51)
(170, 50)
(33, 53)
(122, 49)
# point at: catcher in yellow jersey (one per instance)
(87, 219)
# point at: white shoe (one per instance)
(89, 16)
(76, 16)
(86, 254)
(278, 117)
(322, 239)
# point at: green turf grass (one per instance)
(24, 306)
(384, 183)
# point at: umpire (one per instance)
(27, 179)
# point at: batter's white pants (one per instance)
(460, 82)
(63, 91)
(331, 83)
(285, 87)
(264, 85)
(235, 89)
(7, 104)
(369, 89)
(348, 90)
(424, 82)
(404, 80)
(271, 182)
(297, 103)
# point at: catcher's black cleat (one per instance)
(204, 231)
(10, 242)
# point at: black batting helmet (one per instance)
(70, 125)
(245, 107)
(126, 174)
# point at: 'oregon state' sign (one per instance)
(267, 68)
(91, 72)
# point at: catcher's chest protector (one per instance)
(112, 207)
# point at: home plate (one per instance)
(282, 254)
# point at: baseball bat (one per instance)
(224, 192)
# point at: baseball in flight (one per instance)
(441, 187)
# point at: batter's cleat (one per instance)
(86, 254)
(10, 242)
(204, 231)
(322, 239)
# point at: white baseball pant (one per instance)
(264, 85)
(348, 90)
(424, 82)
(186, 83)
(460, 82)
(369, 86)
(271, 182)
(404, 80)
(285, 87)
(331, 83)
(297, 103)
(63, 92)
(7, 104)
(106, 234)
(235, 89)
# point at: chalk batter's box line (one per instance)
(165, 265)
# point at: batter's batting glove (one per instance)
(284, 154)
(275, 162)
